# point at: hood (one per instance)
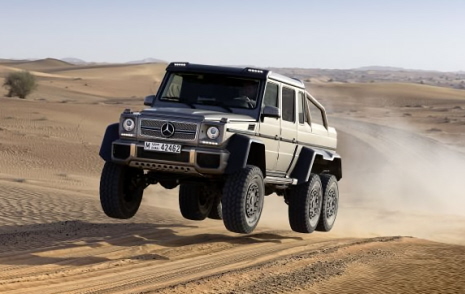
(195, 114)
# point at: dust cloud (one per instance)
(395, 182)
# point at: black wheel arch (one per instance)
(245, 151)
(111, 134)
(317, 161)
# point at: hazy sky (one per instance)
(416, 34)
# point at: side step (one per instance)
(280, 181)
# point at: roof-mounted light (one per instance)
(180, 64)
(254, 70)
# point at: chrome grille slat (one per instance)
(151, 123)
(183, 130)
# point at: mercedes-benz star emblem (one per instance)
(167, 130)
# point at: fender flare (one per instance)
(111, 134)
(239, 147)
(316, 161)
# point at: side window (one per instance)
(172, 89)
(288, 104)
(315, 113)
(271, 95)
(302, 109)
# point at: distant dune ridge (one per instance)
(400, 227)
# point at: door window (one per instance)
(288, 104)
(271, 95)
(303, 117)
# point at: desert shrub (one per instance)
(20, 84)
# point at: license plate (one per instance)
(162, 147)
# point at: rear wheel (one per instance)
(305, 202)
(121, 190)
(195, 202)
(330, 203)
(242, 200)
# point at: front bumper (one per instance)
(191, 160)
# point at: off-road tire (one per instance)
(217, 208)
(243, 196)
(194, 202)
(121, 190)
(305, 203)
(330, 203)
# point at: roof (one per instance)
(286, 80)
(251, 72)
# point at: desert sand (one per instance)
(400, 227)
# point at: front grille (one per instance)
(178, 135)
(183, 131)
(178, 157)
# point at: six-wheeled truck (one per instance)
(227, 137)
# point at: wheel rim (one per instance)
(331, 205)
(205, 201)
(314, 205)
(252, 203)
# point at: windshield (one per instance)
(227, 92)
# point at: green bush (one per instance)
(20, 84)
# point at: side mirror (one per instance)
(149, 100)
(271, 111)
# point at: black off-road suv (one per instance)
(227, 137)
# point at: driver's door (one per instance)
(269, 131)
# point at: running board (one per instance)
(280, 181)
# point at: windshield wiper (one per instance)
(191, 105)
(176, 99)
(217, 103)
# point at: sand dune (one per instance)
(400, 228)
(4, 70)
(39, 65)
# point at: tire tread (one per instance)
(323, 226)
(233, 210)
(110, 187)
(297, 206)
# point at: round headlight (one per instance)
(213, 133)
(128, 124)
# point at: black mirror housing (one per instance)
(271, 111)
(148, 101)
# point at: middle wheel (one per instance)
(242, 200)
(305, 202)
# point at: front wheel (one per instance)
(305, 202)
(242, 200)
(121, 190)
